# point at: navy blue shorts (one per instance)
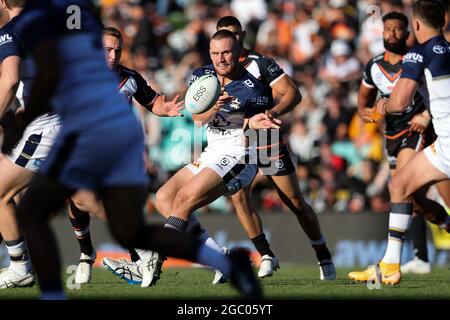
(106, 154)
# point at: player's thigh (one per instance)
(13, 178)
(202, 189)
(17, 168)
(401, 159)
(87, 201)
(418, 172)
(168, 191)
(403, 156)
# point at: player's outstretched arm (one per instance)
(262, 121)
(289, 95)
(366, 101)
(163, 108)
(400, 98)
(9, 82)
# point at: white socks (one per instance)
(399, 221)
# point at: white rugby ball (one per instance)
(202, 94)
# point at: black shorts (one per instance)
(275, 160)
(7, 119)
(407, 139)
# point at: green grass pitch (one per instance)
(289, 282)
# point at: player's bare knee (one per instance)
(239, 197)
(84, 201)
(163, 198)
(4, 200)
(163, 208)
(184, 200)
(299, 205)
(6, 196)
(397, 189)
(80, 205)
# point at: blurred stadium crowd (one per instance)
(322, 44)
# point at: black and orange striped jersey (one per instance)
(383, 76)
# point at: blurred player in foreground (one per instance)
(132, 86)
(89, 152)
(17, 168)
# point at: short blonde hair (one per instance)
(113, 32)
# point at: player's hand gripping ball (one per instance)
(202, 94)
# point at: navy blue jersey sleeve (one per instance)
(413, 64)
(259, 103)
(197, 73)
(144, 93)
(8, 45)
